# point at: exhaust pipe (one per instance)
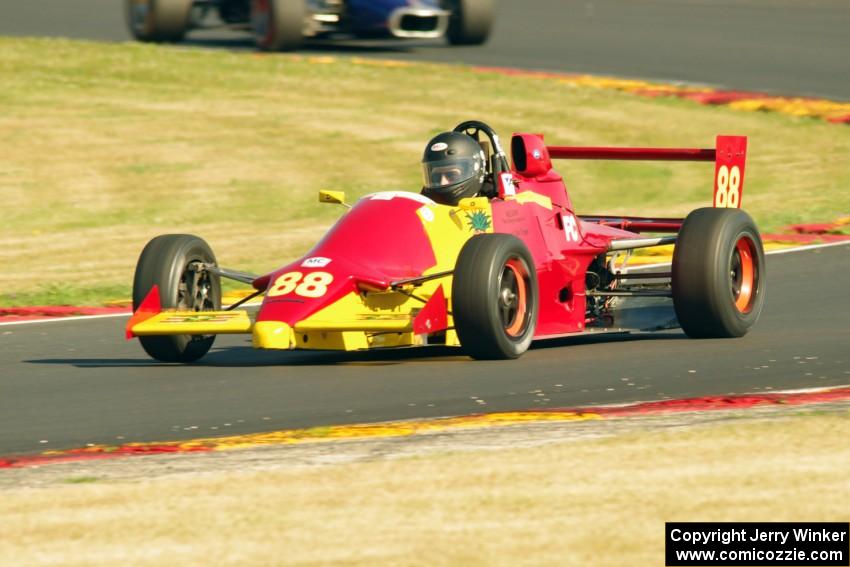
(421, 23)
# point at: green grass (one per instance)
(54, 294)
(107, 146)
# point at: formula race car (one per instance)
(282, 25)
(489, 274)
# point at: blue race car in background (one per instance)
(282, 25)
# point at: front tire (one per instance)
(494, 297)
(278, 24)
(167, 262)
(158, 20)
(470, 22)
(718, 274)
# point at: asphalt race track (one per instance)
(780, 46)
(75, 382)
(68, 383)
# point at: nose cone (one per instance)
(381, 239)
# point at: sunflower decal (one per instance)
(478, 221)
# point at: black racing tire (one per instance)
(165, 262)
(278, 25)
(470, 21)
(494, 297)
(718, 274)
(158, 20)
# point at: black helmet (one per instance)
(454, 168)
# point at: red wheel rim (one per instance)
(743, 273)
(513, 298)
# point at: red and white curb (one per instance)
(422, 426)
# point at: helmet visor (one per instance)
(447, 172)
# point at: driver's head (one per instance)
(454, 168)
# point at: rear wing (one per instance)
(729, 157)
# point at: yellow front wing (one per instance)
(194, 323)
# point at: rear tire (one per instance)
(494, 297)
(470, 21)
(278, 24)
(718, 274)
(158, 20)
(165, 262)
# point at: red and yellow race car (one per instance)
(488, 272)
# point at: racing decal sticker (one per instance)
(439, 147)
(728, 187)
(201, 318)
(479, 221)
(426, 213)
(315, 262)
(570, 227)
(382, 317)
(508, 187)
(313, 285)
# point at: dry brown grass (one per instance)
(590, 502)
(106, 146)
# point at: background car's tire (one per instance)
(718, 273)
(278, 24)
(165, 262)
(470, 21)
(494, 297)
(158, 20)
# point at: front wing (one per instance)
(343, 326)
(193, 323)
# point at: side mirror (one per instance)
(336, 197)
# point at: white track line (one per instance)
(86, 317)
(809, 247)
(640, 267)
(769, 253)
(74, 318)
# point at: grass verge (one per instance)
(106, 146)
(588, 502)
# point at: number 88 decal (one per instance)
(728, 187)
(315, 284)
